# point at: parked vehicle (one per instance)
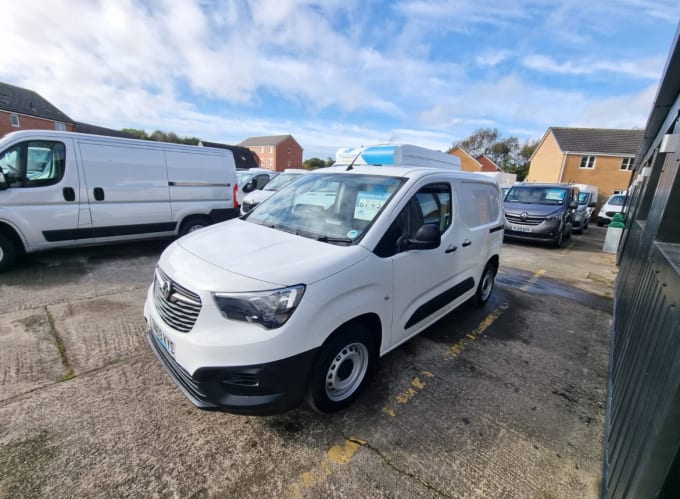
(297, 299)
(251, 180)
(614, 205)
(540, 212)
(279, 182)
(64, 189)
(587, 201)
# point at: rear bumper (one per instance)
(262, 389)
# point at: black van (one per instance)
(540, 212)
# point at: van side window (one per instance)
(430, 205)
(479, 204)
(33, 164)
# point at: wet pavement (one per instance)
(503, 401)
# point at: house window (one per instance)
(290, 150)
(261, 148)
(14, 120)
(587, 162)
(288, 163)
(58, 125)
(627, 164)
(270, 161)
(271, 149)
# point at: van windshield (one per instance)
(533, 194)
(334, 207)
(281, 181)
(617, 200)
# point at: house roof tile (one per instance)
(23, 101)
(269, 140)
(598, 140)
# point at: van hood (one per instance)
(539, 210)
(258, 196)
(269, 255)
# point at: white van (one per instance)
(587, 201)
(279, 182)
(252, 179)
(300, 297)
(63, 189)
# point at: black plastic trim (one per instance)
(440, 301)
(222, 214)
(114, 230)
(260, 389)
(496, 229)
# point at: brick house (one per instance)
(23, 109)
(596, 156)
(471, 164)
(275, 152)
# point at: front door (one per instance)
(425, 282)
(43, 197)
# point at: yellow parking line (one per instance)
(343, 454)
(336, 455)
(533, 279)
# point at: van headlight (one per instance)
(270, 309)
(554, 216)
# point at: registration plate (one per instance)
(520, 228)
(163, 339)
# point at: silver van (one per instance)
(540, 212)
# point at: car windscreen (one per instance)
(331, 207)
(530, 194)
(281, 181)
(583, 197)
(617, 200)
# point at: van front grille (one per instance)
(529, 220)
(177, 306)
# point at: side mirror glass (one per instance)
(573, 205)
(427, 237)
(249, 187)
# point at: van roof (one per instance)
(406, 171)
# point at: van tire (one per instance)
(8, 253)
(485, 286)
(193, 223)
(341, 369)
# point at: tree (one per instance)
(160, 136)
(480, 142)
(313, 163)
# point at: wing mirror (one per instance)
(427, 237)
(3, 182)
(249, 187)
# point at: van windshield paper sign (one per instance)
(368, 204)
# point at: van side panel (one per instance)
(127, 189)
(201, 183)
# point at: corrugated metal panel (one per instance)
(642, 433)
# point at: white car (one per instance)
(279, 182)
(251, 180)
(297, 300)
(613, 206)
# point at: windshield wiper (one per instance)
(326, 239)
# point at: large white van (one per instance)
(301, 296)
(60, 189)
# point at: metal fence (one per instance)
(642, 433)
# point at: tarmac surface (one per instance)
(503, 401)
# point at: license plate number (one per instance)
(163, 339)
(520, 228)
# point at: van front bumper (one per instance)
(547, 231)
(262, 389)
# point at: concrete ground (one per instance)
(503, 401)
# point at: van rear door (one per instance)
(43, 199)
(127, 189)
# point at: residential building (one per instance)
(470, 163)
(602, 157)
(23, 109)
(275, 152)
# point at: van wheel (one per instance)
(8, 252)
(341, 370)
(485, 287)
(192, 224)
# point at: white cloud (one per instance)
(649, 68)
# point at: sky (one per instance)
(342, 73)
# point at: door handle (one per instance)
(466, 243)
(451, 249)
(99, 194)
(69, 194)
